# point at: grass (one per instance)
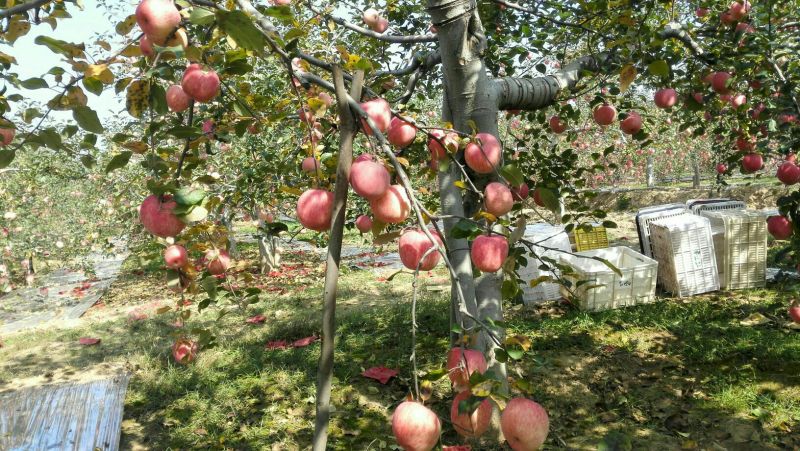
(675, 374)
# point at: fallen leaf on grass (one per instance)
(756, 319)
(87, 341)
(380, 374)
(303, 342)
(277, 344)
(258, 319)
(457, 448)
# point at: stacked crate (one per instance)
(740, 242)
(684, 249)
(548, 241)
(698, 207)
(647, 215)
(601, 287)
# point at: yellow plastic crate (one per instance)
(596, 238)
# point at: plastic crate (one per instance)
(700, 206)
(646, 215)
(547, 238)
(605, 289)
(684, 249)
(586, 240)
(740, 242)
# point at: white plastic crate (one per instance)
(684, 249)
(547, 237)
(646, 215)
(740, 242)
(605, 289)
(700, 206)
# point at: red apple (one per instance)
(369, 179)
(200, 84)
(665, 97)
(401, 133)
(364, 157)
(489, 252)
(520, 192)
(370, 17)
(557, 125)
(315, 208)
(437, 151)
(146, 46)
(393, 207)
(721, 168)
(701, 12)
(380, 112)
(752, 162)
(497, 199)
(483, 154)
(415, 427)
(177, 100)
(720, 82)
(310, 165)
(745, 145)
(175, 256)
(7, 133)
(738, 100)
(631, 124)
(698, 97)
(326, 98)
(791, 157)
(461, 363)
(184, 351)
(739, 10)
(281, 2)
(471, 424)
(727, 18)
(525, 424)
(780, 227)
(604, 114)
(381, 25)
(364, 224)
(744, 27)
(788, 173)
(156, 215)
(794, 313)
(157, 19)
(413, 245)
(217, 261)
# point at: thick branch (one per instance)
(675, 30)
(419, 60)
(396, 39)
(21, 8)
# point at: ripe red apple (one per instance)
(727, 18)
(739, 10)
(315, 208)
(794, 313)
(364, 157)
(200, 84)
(752, 162)
(484, 153)
(393, 207)
(525, 424)
(557, 125)
(719, 83)
(520, 192)
(364, 224)
(721, 168)
(745, 145)
(217, 261)
(415, 427)
(665, 98)
(788, 173)
(631, 124)
(437, 151)
(157, 19)
(310, 165)
(177, 100)
(497, 199)
(604, 114)
(7, 133)
(370, 17)
(471, 424)
(156, 216)
(380, 112)
(184, 350)
(791, 157)
(745, 27)
(381, 25)
(738, 100)
(461, 363)
(146, 47)
(175, 256)
(701, 12)
(369, 179)
(413, 245)
(780, 227)
(401, 133)
(489, 252)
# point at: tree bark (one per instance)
(347, 131)
(696, 175)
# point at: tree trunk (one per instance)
(325, 372)
(227, 221)
(269, 253)
(696, 177)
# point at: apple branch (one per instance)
(395, 39)
(22, 8)
(534, 12)
(674, 30)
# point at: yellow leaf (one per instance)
(488, 216)
(520, 340)
(460, 184)
(74, 97)
(16, 29)
(138, 98)
(291, 190)
(403, 161)
(136, 146)
(126, 25)
(101, 72)
(626, 76)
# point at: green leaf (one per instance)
(87, 119)
(195, 214)
(6, 157)
(119, 161)
(434, 375)
(184, 132)
(241, 29)
(88, 161)
(30, 114)
(209, 284)
(512, 174)
(201, 16)
(464, 229)
(189, 196)
(34, 83)
(61, 47)
(93, 85)
(659, 68)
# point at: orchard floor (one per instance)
(720, 371)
